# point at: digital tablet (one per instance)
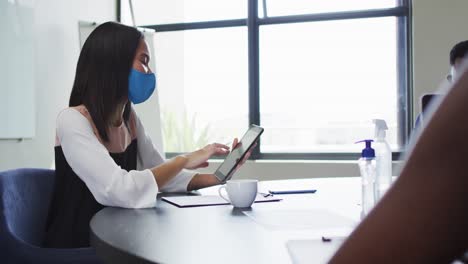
(224, 171)
(427, 100)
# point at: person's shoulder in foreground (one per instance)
(423, 218)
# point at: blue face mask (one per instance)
(140, 86)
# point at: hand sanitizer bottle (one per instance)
(367, 166)
(383, 158)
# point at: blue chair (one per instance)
(25, 196)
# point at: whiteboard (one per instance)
(149, 111)
(17, 91)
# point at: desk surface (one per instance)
(214, 234)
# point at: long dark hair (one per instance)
(101, 80)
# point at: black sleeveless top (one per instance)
(73, 205)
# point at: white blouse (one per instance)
(109, 183)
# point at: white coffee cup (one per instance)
(241, 193)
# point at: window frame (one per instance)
(403, 14)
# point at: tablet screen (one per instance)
(236, 155)
(427, 101)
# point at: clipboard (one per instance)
(209, 200)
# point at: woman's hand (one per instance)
(199, 158)
(206, 180)
(236, 144)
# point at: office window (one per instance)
(321, 81)
(312, 73)
(202, 77)
(157, 12)
(303, 7)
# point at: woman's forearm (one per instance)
(168, 170)
(201, 181)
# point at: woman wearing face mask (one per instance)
(102, 155)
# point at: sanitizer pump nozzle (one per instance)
(383, 159)
(380, 128)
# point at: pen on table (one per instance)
(266, 194)
(293, 191)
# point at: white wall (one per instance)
(437, 26)
(56, 50)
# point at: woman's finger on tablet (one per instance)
(234, 143)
